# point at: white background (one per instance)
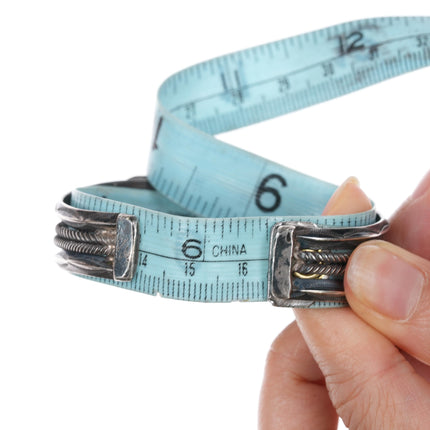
(78, 82)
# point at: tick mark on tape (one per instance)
(157, 132)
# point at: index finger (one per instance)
(410, 226)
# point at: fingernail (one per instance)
(347, 199)
(380, 276)
(423, 187)
(352, 180)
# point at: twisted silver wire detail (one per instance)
(321, 263)
(84, 248)
(324, 257)
(101, 237)
(321, 269)
(97, 242)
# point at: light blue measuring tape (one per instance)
(214, 223)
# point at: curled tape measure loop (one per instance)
(204, 226)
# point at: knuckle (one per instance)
(414, 336)
(364, 400)
(284, 352)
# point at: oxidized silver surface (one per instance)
(307, 263)
(99, 244)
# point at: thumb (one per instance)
(385, 285)
(369, 382)
(388, 287)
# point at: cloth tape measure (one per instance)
(214, 223)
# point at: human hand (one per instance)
(370, 364)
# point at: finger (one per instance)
(349, 198)
(422, 369)
(370, 383)
(291, 376)
(410, 226)
(293, 394)
(389, 288)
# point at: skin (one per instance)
(368, 364)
